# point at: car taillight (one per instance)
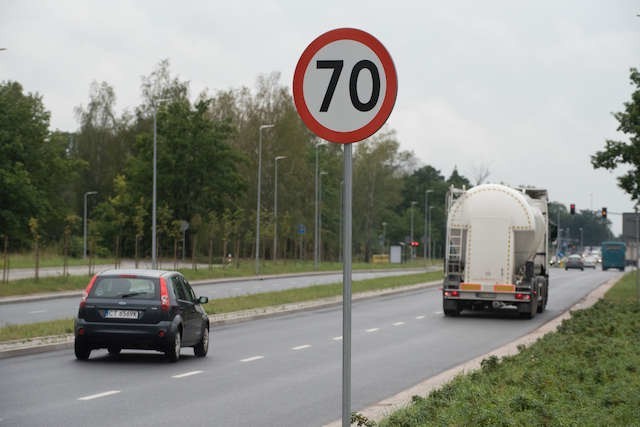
(85, 293)
(164, 295)
(525, 297)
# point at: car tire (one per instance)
(114, 350)
(200, 349)
(81, 349)
(173, 351)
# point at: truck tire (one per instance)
(543, 291)
(451, 308)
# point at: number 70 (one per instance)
(337, 66)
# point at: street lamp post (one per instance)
(315, 232)
(426, 210)
(258, 203)
(581, 240)
(413, 203)
(154, 249)
(384, 237)
(88, 193)
(275, 210)
(430, 239)
(320, 215)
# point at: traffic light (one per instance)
(415, 244)
(604, 212)
(572, 208)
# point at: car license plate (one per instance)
(121, 314)
(486, 295)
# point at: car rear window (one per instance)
(125, 287)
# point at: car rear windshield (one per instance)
(125, 287)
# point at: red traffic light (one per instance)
(572, 208)
(414, 243)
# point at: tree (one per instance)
(618, 153)
(34, 166)
(377, 183)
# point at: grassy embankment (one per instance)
(226, 305)
(585, 374)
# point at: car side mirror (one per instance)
(203, 300)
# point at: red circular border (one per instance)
(389, 96)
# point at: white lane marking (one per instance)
(337, 338)
(251, 359)
(398, 324)
(372, 330)
(37, 311)
(301, 347)
(419, 317)
(187, 374)
(96, 396)
(438, 312)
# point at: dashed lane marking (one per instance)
(187, 374)
(37, 311)
(419, 317)
(398, 324)
(372, 330)
(99, 395)
(251, 359)
(337, 338)
(301, 347)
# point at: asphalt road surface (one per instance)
(281, 371)
(39, 310)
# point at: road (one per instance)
(282, 371)
(60, 308)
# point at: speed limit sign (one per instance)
(345, 85)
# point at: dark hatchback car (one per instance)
(141, 309)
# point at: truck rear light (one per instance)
(81, 331)
(525, 297)
(164, 295)
(451, 293)
(87, 290)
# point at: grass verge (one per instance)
(245, 269)
(586, 373)
(226, 305)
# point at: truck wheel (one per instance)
(542, 303)
(451, 309)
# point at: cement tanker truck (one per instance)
(497, 250)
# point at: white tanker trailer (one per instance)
(497, 247)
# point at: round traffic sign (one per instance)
(345, 85)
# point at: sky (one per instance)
(525, 90)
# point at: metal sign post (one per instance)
(344, 89)
(346, 288)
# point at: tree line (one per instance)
(207, 162)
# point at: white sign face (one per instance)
(345, 85)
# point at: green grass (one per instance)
(226, 305)
(585, 374)
(245, 269)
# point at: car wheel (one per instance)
(200, 349)
(114, 350)
(173, 352)
(82, 350)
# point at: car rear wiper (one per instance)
(131, 294)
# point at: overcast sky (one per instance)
(525, 89)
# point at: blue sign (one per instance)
(301, 229)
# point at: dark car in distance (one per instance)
(141, 309)
(574, 261)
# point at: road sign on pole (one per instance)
(345, 85)
(344, 88)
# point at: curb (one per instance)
(388, 406)
(60, 342)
